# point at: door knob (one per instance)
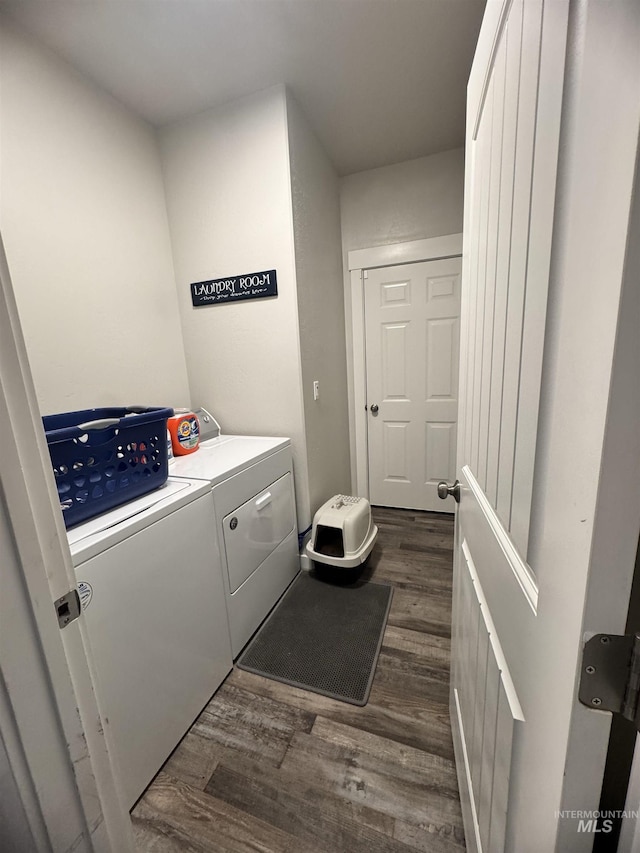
(374, 409)
(444, 490)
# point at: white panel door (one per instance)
(539, 410)
(412, 342)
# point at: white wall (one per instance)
(229, 202)
(394, 204)
(408, 201)
(15, 833)
(316, 221)
(84, 223)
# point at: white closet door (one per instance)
(545, 500)
(412, 344)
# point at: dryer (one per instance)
(251, 479)
(152, 594)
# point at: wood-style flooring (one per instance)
(268, 767)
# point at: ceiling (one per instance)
(381, 81)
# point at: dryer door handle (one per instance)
(263, 501)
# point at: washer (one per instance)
(150, 583)
(255, 519)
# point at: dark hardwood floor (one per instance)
(268, 767)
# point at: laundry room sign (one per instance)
(253, 285)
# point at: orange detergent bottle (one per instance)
(184, 429)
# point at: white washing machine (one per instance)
(255, 519)
(151, 588)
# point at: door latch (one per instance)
(610, 677)
(67, 608)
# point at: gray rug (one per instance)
(323, 637)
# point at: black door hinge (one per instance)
(610, 677)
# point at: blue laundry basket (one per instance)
(105, 457)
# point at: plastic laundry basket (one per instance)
(104, 457)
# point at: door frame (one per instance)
(359, 261)
(55, 747)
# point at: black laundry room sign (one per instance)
(253, 285)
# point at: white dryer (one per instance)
(152, 594)
(255, 519)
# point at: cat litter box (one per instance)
(343, 533)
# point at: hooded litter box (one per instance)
(343, 532)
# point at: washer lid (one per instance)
(99, 533)
(219, 458)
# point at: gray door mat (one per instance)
(323, 637)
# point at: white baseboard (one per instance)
(305, 563)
